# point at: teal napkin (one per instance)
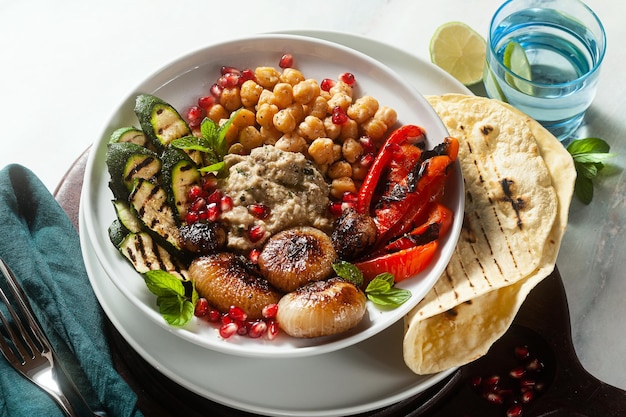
(41, 246)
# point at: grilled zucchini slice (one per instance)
(128, 161)
(160, 122)
(145, 254)
(179, 173)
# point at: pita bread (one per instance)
(474, 302)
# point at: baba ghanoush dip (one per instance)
(287, 184)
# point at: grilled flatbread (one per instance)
(519, 182)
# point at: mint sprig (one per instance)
(176, 298)
(212, 143)
(589, 155)
(381, 290)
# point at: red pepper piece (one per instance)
(402, 135)
(402, 265)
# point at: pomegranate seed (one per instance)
(272, 329)
(527, 396)
(214, 315)
(225, 318)
(270, 310)
(209, 183)
(243, 329)
(203, 215)
(534, 365)
(522, 352)
(260, 211)
(286, 61)
(347, 205)
(475, 382)
(539, 386)
(367, 144)
(195, 114)
(237, 313)
(228, 80)
(367, 159)
(253, 256)
(339, 116)
(246, 74)
(213, 212)
(349, 197)
(226, 203)
(229, 329)
(194, 192)
(493, 398)
(256, 233)
(348, 78)
(214, 197)
(216, 90)
(515, 411)
(529, 383)
(206, 102)
(492, 381)
(202, 307)
(191, 217)
(257, 329)
(229, 70)
(199, 204)
(336, 208)
(517, 373)
(327, 84)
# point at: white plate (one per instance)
(180, 84)
(371, 374)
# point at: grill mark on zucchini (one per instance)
(134, 171)
(145, 254)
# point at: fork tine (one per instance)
(38, 341)
(22, 346)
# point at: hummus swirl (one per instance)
(286, 182)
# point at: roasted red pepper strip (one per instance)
(400, 136)
(402, 265)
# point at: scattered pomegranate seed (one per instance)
(493, 398)
(229, 329)
(202, 307)
(194, 192)
(272, 329)
(517, 373)
(286, 61)
(327, 84)
(242, 329)
(348, 78)
(198, 205)
(349, 197)
(260, 211)
(336, 208)
(213, 212)
(216, 90)
(206, 102)
(256, 233)
(191, 217)
(225, 318)
(226, 203)
(515, 411)
(367, 144)
(237, 313)
(522, 352)
(246, 74)
(214, 315)
(527, 396)
(195, 114)
(228, 80)
(214, 197)
(257, 329)
(367, 159)
(209, 183)
(270, 311)
(339, 116)
(534, 365)
(347, 205)
(229, 70)
(253, 256)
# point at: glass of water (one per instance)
(544, 57)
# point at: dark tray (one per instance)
(561, 387)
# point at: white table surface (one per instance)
(65, 65)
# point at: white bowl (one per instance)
(180, 83)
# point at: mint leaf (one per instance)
(175, 299)
(349, 272)
(382, 291)
(191, 143)
(589, 155)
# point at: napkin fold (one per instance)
(41, 246)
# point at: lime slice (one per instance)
(516, 60)
(460, 51)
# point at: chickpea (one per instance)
(243, 118)
(292, 142)
(266, 97)
(305, 91)
(232, 134)
(332, 130)
(363, 108)
(387, 115)
(217, 112)
(267, 77)
(236, 149)
(341, 185)
(230, 98)
(270, 134)
(339, 169)
(250, 92)
(284, 121)
(312, 128)
(351, 150)
(349, 129)
(291, 76)
(250, 138)
(297, 110)
(321, 150)
(336, 152)
(341, 88)
(283, 95)
(318, 107)
(265, 114)
(359, 171)
(340, 99)
(374, 128)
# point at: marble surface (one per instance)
(64, 66)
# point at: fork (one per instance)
(26, 347)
